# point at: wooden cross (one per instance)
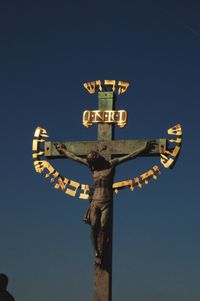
(108, 148)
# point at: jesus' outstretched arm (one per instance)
(130, 156)
(62, 150)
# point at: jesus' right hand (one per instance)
(60, 147)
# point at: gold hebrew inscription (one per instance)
(177, 140)
(74, 185)
(85, 194)
(168, 159)
(175, 130)
(166, 162)
(41, 165)
(110, 82)
(36, 155)
(61, 183)
(91, 86)
(122, 87)
(174, 152)
(40, 132)
(145, 177)
(54, 176)
(150, 174)
(98, 84)
(35, 145)
(123, 184)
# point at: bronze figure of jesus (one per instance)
(103, 172)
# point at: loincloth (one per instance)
(99, 206)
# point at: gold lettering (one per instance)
(36, 155)
(165, 161)
(123, 184)
(122, 87)
(150, 174)
(145, 176)
(73, 184)
(122, 118)
(157, 170)
(111, 116)
(50, 169)
(62, 182)
(131, 185)
(175, 130)
(138, 182)
(110, 82)
(87, 118)
(40, 132)
(54, 176)
(98, 83)
(175, 151)
(90, 87)
(98, 114)
(41, 165)
(107, 116)
(35, 145)
(86, 189)
(177, 140)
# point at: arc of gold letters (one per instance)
(70, 187)
(91, 86)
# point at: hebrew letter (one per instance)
(175, 151)
(138, 182)
(90, 86)
(35, 145)
(98, 83)
(73, 184)
(62, 182)
(40, 132)
(41, 165)
(85, 195)
(165, 161)
(175, 130)
(122, 87)
(111, 83)
(145, 176)
(36, 155)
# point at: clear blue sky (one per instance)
(47, 50)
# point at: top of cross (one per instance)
(108, 85)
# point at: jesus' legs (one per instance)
(99, 219)
(95, 228)
(105, 214)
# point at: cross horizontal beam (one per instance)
(113, 147)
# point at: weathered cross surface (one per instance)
(108, 148)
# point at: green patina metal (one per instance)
(114, 147)
(106, 102)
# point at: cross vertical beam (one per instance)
(103, 273)
(105, 130)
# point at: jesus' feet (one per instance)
(98, 260)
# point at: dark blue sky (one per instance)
(47, 50)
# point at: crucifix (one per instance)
(102, 157)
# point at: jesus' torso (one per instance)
(103, 182)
